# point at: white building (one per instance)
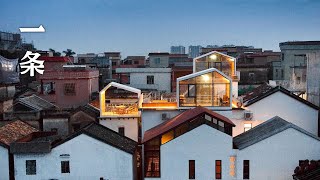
(154, 79)
(198, 144)
(119, 109)
(4, 162)
(280, 102)
(274, 149)
(95, 152)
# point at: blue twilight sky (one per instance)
(136, 27)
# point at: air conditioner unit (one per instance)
(248, 115)
(164, 116)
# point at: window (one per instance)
(136, 62)
(246, 169)
(113, 71)
(218, 169)
(282, 73)
(207, 117)
(31, 167)
(192, 169)
(277, 73)
(167, 137)
(69, 89)
(152, 158)
(221, 126)
(65, 167)
(150, 79)
(114, 63)
(54, 129)
(282, 56)
(247, 126)
(298, 80)
(157, 60)
(191, 90)
(121, 130)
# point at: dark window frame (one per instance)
(31, 167)
(150, 79)
(246, 169)
(121, 130)
(195, 90)
(192, 169)
(65, 167)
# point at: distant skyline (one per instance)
(138, 27)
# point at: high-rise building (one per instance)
(178, 50)
(194, 51)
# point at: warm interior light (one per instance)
(206, 77)
(213, 57)
(231, 59)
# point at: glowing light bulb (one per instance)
(213, 57)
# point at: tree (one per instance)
(55, 53)
(69, 53)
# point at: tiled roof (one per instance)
(265, 130)
(105, 135)
(256, 92)
(36, 102)
(179, 119)
(267, 92)
(13, 131)
(88, 109)
(36, 142)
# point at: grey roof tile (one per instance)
(265, 130)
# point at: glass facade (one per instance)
(223, 63)
(211, 89)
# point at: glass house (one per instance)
(119, 100)
(208, 88)
(222, 62)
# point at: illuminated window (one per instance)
(232, 166)
(69, 89)
(167, 137)
(192, 169)
(152, 158)
(218, 169)
(247, 126)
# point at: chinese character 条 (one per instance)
(32, 64)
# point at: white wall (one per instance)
(277, 156)
(130, 126)
(89, 159)
(151, 118)
(162, 81)
(289, 109)
(4, 163)
(203, 144)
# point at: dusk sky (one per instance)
(136, 27)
